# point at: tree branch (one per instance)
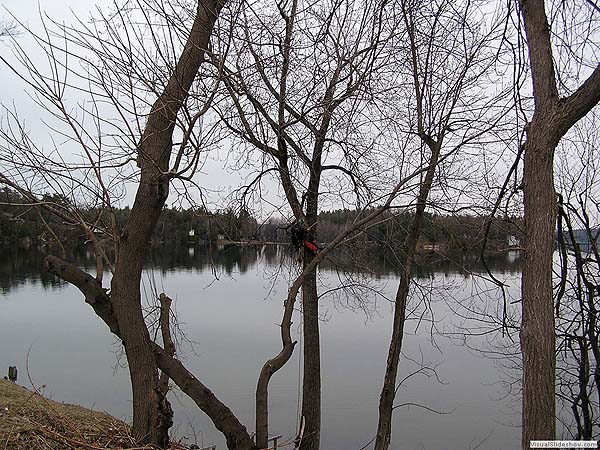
(96, 296)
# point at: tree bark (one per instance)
(225, 421)
(272, 366)
(165, 330)
(552, 118)
(537, 328)
(169, 347)
(311, 383)
(153, 159)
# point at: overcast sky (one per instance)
(214, 177)
(217, 180)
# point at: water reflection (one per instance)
(229, 303)
(18, 267)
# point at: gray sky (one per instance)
(216, 181)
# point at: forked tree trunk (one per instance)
(153, 158)
(225, 421)
(552, 118)
(311, 389)
(126, 301)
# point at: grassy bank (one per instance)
(31, 421)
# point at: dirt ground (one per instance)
(29, 421)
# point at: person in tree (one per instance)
(302, 237)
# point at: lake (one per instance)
(228, 303)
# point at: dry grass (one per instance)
(29, 421)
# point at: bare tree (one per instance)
(298, 87)
(554, 114)
(450, 54)
(140, 87)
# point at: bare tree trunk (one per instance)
(537, 330)
(553, 117)
(225, 421)
(143, 371)
(537, 327)
(311, 383)
(388, 391)
(126, 301)
(153, 158)
(168, 344)
(169, 347)
(272, 366)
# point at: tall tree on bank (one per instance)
(297, 93)
(552, 118)
(124, 78)
(449, 56)
(154, 153)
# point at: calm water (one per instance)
(229, 302)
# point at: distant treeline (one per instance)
(24, 225)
